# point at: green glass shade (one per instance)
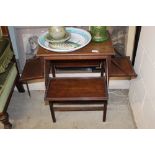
(99, 33)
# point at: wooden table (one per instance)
(78, 90)
(93, 51)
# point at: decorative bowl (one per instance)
(78, 39)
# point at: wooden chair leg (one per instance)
(4, 118)
(28, 89)
(52, 112)
(19, 85)
(105, 111)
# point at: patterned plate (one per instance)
(79, 38)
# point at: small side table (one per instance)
(88, 90)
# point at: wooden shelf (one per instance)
(34, 69)
(84, 63)
(76, 89)
(121, 67)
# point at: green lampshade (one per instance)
(99, 33)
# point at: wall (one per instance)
(119, 36)
(142, 89)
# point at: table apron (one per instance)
(77, 57)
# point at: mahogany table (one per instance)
(93, 51)
(78, 90)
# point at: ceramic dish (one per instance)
(79, 38)
(51, 40)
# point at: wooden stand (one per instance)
(77, 91)
(90, 90)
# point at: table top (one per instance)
(91, 51)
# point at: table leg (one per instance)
(105, 111)
(52, 112)
(19, 84)
(47, 71)
(53, 70)
(102, 68)
(107, 66)
(28, 89)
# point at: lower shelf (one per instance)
(77, 89)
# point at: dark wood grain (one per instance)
(52, 112)
(94, 108)
(34, 69)
(75, 89)
(105, 111)
(121, 67)
(77, 63)
(104, 49)
(47, 69)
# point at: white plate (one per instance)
(78, 36)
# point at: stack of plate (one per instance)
(74, 39)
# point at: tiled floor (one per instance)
(32, 113)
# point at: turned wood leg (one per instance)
(52, 112)
(105, 111)
(4, 118)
